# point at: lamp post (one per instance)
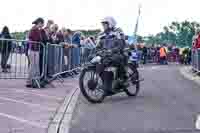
(137, 22)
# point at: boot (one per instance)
(107, 80)
(124, 80)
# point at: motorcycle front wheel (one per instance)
(134, 84)
(91, 85)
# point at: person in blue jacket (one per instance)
(134, 55)
(76, 41)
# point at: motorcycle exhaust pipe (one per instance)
(137, 80)
(140, 80)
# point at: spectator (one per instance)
(48, 27)
(35, 36)
(197, 44)
(76, 40)
(189, 57)
(6, 47)
(169, 55)
(93, 40)
(174, 54)
(46, 39)
(144, 54)
(68, 36)
(88, 46)
(56, 37)
(186, 55)
(53, 33)
(73, 41)
(139, 52)
(26, 47)
(177, 55)
(181, 57)
(52, 50)
(194, 41)
(83, 48)
(163, 55)
(133, 55)
(67, 51)
(155, 54)
(59, 51)
(59, 37)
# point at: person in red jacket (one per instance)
(196, 40)
(35, 38)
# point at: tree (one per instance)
(19, 35)
(176, 33)
(140, 39)
(22, 35)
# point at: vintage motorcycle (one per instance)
(92, 83)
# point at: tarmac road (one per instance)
(167, 103)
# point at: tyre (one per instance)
(133, 77)
(92, 89)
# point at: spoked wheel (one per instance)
(91, 85)
(134, 84)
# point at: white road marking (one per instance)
(155, 67)
(197, 124)
(35, 124)
(141, 68)
(41, 95)
(25, 103)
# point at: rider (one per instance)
(115, 45)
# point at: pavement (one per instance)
(25, 110)
(189, 74)
(167, 103)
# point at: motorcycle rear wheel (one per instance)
(92, 85)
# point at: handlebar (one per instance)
(104, 50)
(126, 49)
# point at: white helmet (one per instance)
(111, 21)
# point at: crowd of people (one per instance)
(51, 34)
(162, 54)
(37, 39)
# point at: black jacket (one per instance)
(5, 45)
(112, 40)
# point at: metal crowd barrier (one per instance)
(17, 60)
(196, 60)
(48, 63)
(62, 62)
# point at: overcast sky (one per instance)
(86, 14)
